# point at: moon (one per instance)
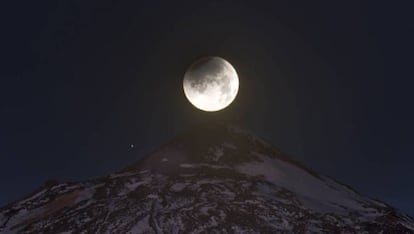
(211, 84)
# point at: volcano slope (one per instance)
(215, 178)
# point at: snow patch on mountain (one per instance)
(319, 194)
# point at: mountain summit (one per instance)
(215, 178)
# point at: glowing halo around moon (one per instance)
(211, 84)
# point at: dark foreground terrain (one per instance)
(224, 180)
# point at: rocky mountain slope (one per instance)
(214, 178)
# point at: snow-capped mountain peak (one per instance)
(213, 178)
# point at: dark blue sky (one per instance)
(329, 83)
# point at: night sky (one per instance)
(329, 83)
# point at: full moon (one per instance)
(211, 84)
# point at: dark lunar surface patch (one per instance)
(204, 72)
